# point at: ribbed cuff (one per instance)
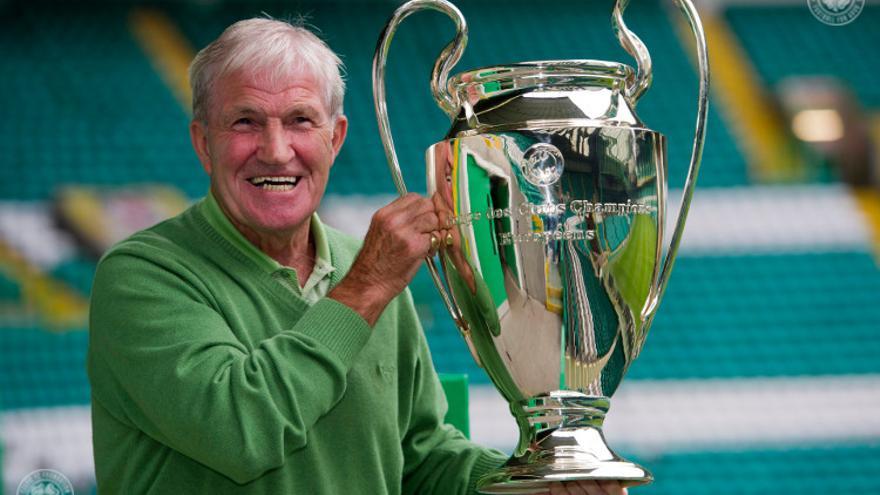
(337, 327)
(489, 460)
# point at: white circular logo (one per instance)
(45, 482)
(836, 12)
(542, 164)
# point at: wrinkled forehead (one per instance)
(278, 78)
(272, 80)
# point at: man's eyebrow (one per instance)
(300, 108)
(243, 110)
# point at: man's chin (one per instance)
(275, 217)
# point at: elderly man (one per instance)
(244, 347)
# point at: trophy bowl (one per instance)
(553, 193)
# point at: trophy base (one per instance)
(513, 479)
(561, 440)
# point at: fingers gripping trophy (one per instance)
(554, 194)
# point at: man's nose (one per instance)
(276, 146)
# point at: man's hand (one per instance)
(587, 487)
(398, 240)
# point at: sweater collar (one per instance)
(218, 220)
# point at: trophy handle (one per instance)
(448, 57)
(693, 18)
(445, 61)
(641, 81)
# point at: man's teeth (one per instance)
(274, 183)
(278, 187)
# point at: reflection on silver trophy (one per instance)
(554, 194)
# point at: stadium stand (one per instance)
(803, 48)
(89, 107)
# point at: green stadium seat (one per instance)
(807, 47)
(799, 470)
(42, 369)
(10, 291)
(88, 106)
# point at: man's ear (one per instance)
(198, 134)
(340, 129)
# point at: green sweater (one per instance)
(210, 376)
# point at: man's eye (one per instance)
(303, 120)
(242, 123)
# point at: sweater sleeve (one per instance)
(438, 459)
(166, 363)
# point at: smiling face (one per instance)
(268, 149)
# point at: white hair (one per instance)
(272, 48)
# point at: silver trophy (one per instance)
(554, 196)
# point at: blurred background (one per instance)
(761, 373)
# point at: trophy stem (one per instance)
(560, 440)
